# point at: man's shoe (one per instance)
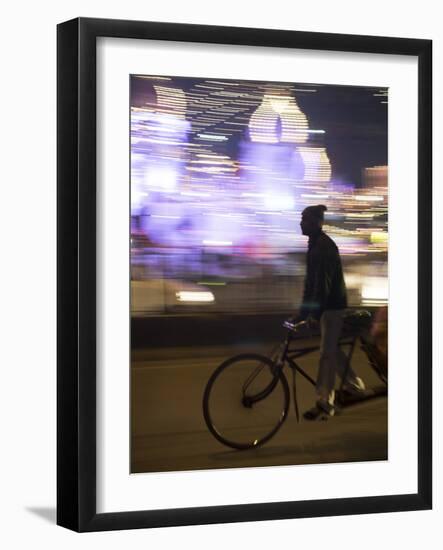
(354, 387)
(352, 392)
(321, 411)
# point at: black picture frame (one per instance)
(76, 267)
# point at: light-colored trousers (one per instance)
(332, 358)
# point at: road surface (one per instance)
(169, 433)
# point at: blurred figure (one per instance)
(324, 300)
(380, 330)
(379, 334)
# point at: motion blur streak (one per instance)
(220, 173)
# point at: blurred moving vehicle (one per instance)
(155, 296)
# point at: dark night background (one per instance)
(356, 127)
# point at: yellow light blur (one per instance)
(294, 124)
(379, 237)
(317, 165)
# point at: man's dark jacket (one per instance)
(324, 283)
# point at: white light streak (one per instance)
(212, 137)
(194, 296)
(308, 196)
(368, 198)
(194, 194)
(217, 243)
(375, 289)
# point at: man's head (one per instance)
(312, 219)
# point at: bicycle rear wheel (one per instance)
(377, 359)
(246, 401)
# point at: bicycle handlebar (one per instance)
(291, 325)
(354, 316)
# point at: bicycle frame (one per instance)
(291, 354)
(288, 356)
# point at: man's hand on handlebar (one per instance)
(303, 323)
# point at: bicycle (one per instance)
(252, 391)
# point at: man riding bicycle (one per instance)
(324, 301)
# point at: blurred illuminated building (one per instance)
(220, 173)
(375, 176)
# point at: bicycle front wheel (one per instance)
(246, 401)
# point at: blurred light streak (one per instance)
(360, 215)
(317, 165)
(194, 194)
(163, 177)
(154, 77)
(276, 202)
(370, 198)
(217, 243)
(379, 237)
(319, 196)
(375, 289)
(263, 122)
(212, 137)
(193, 296)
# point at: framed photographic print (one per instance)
(244, 263)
